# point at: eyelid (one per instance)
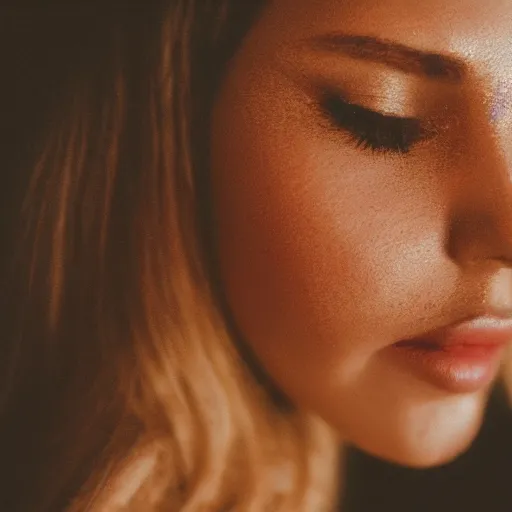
(373, 130)
(398, 100)
(329, 95)
(363, 101)
(381, 114)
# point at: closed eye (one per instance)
(371, 130)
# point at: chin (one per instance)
(424, 459)
(429, 454)
(424, 441)
(421, 430)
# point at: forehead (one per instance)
(478, 32)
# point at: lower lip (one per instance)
(453, 368)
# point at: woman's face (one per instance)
(361, 162)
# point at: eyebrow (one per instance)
(394, 55)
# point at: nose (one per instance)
(480, 226)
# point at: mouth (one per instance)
(462, 358)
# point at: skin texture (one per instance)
(330, 253)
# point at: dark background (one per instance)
(480, 480)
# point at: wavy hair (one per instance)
(123, 384)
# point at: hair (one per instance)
(124, 385)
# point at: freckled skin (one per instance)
(329, 253)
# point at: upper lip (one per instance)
(478, 331)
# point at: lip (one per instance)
(461, 358)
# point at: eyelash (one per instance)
(371, 130)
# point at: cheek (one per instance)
(316, 265)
